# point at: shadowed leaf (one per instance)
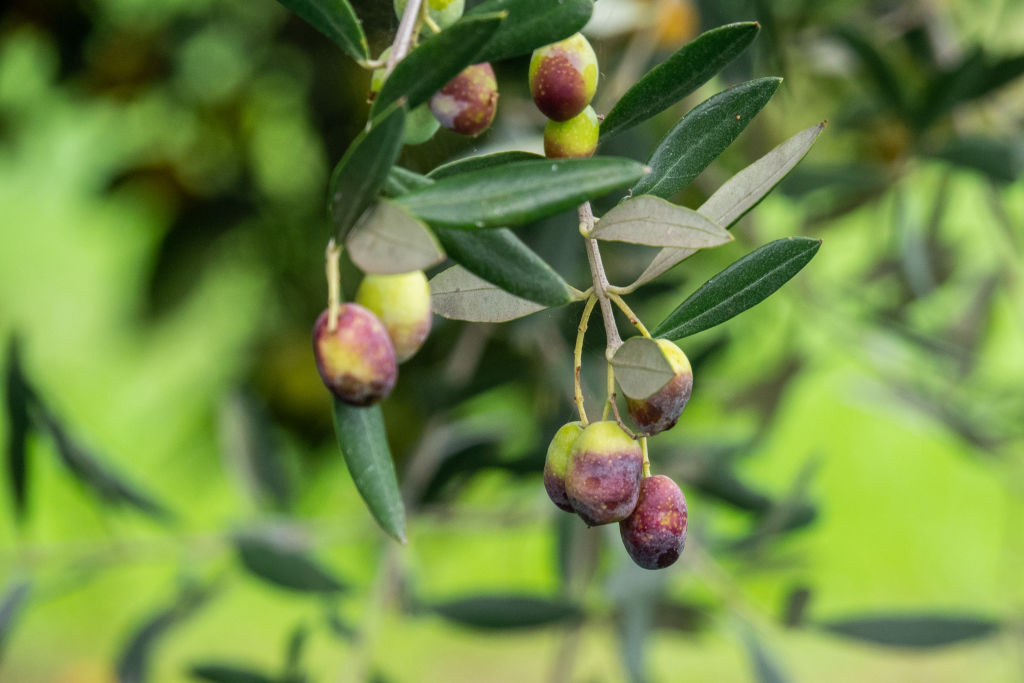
(458, 294)
(282, 562)
(913, 630)
(133, 664)
(18, 396)
(228, 673)
(388, 240)
(336, 20)
(480, 162)
(531, 24)
(499, 612)
(641, 368)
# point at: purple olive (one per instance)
(602, 479)
(356, 359)
(654, 535)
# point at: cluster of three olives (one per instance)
(563, 80)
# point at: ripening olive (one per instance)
(468, 102)
(576, 137)
(356, 359)
(654, 535)
(402, 303)
(563, 77)
(661, 410)
(556, 462)
(602, 478)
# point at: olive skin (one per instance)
(563, 77)
(356, 360)
(467, 103)
(556, 462)
(574, 138)
(661, 410)
(602, 478)
(655, 534)
(402, 303)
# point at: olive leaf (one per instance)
(658, 223)
(458, 294)
(531, 24)
(641, 368)
(401, 181)
(336, 20)
(18, 397)
(500, 612)
(283, 562)
(215, 672)
(10, 607)
(914, 630)
(480, 162)
(389, 240)
(251, 449)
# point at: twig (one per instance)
(333, 259)
(403, 38)
(600, 280)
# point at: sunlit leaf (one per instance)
(914, 630)
(436, 61)
(519, 192)
(458, 294)
(480, 162)
(364, 445)
(678, 76)
(361, 173)
(532, 24)
(250, 447)
(658, 223)
(500, 612)
(336, 20)
(18, 395)
(10, 607)
(743, 284)
(501, 258)
(284, 562)
(641, 367)
(389, 240)
(133, 664)
(702, 135)
(228, 673)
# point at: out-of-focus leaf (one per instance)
(531, 24)
(721, 483)
(481, 162)
(283, 562)
(678, 76)
(458, 294)
(743, 284)
(336, 20)
(766, 669)
(389, 240)
(641, 368)
(886, 81)
(436, 61)
(251, 448)
(519, 192)
(500, 612)
(702, 135)
(997, 74)
(796, 606)
(361, 173)
(293, 653)
(914, 630)
(1000, 160)
(10, 607)
(110, 487)
(18, 395)
(364, 445)
(659, 223)
(501, 258)
(228, 673)
(402, 181)
(133, 664)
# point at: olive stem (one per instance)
(428, 20)
(333, 267)
(647, 460)
(588, 308)
(600, 279)
(403, 38)
(611, 404)
(633, 317)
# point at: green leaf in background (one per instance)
(227, 673)
(519, 192)
(659, 223)
(364, 445)
(678, 76)
(641, 367)
(886, 80)
(133, 664)
(743, 284)
(501, 258)
(336, 20)
(766, 669)
(436, 61)
(702, 135)
(18, 396)
(361, 173)
(251, 450)
(458, 294)
(532, 24)
(1000, 160)
(389, 240)
(10, 607)
(480, 162)
(403, 181)
(500, 612)
(914, 630)
(283, 562)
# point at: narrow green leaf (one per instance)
(401, 181)
(500, 612)
(336, 20)
(133, 664)
(886, 80)
(480, 162)
(458, 294)
(659, 223)
(501, 258)
(10, 607)
(388, 240)
(436, 61)
(364, 446)
(678, 76)
(519, 192)
(914, 630)
(641, 367)
(702, 135)
(228, 673)
(743, 284)
(251, 450)
(1000, 160)
(532, 24)
(18, 396)
(283, 562)
(766, 669)
(361, 173)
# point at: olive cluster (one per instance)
(563, 79)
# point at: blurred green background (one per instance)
(853, 455)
